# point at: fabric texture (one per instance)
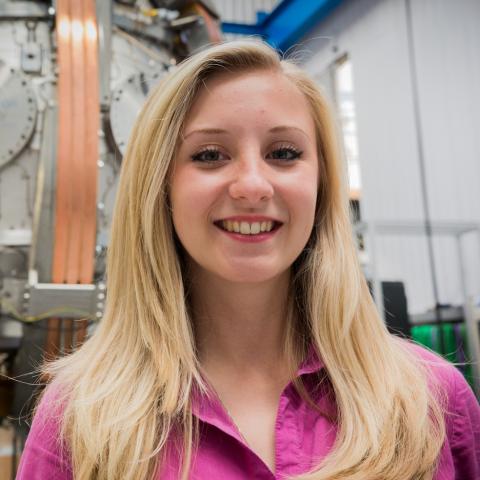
(302, 436)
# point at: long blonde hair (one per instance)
(130, 385)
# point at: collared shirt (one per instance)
(303, 436)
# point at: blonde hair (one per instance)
(128, 389)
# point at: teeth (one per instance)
(254, 228)
(246, 228)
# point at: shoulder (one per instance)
(439, 371)
(44, 455)
(447, 377)
(461, 410)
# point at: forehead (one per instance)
(261, 96)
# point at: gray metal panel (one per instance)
(18, 9)
(18, 111)
(43, 228)
(65, 300)
(447, 41)
(447, 47)
(104, 22)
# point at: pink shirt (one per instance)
(302, 436)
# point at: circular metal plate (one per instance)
(127, 100)
(18, 112)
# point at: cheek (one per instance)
(302, 197)
(306, 200)
(192, 195)
(180, 201)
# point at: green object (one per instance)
(429, 336)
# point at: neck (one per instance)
(241, 325)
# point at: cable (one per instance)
(54, 312)
(422, 168)
(133, 41)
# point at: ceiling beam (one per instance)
(287, 23)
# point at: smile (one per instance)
(248, 228)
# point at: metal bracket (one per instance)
(31, 57)
(64, 300)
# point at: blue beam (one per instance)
(241, 28)
(288, 22)
(292, 19)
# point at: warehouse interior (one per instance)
(401, 76)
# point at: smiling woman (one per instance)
(229, 181)
(240, 340)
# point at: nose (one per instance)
(251, 183)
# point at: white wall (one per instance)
(446, 39)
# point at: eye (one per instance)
(286, 153)
(208, 155)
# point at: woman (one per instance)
(240, 340)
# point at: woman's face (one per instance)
(244, 183)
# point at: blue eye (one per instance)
(285, 154)
(208, 155)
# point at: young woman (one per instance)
(240, 340)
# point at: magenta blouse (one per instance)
(302, 436)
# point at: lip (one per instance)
(248, 218)
(259, 237)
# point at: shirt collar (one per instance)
(209, 409)
(311, 364)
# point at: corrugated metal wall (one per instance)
(243, 11)
(446, 39)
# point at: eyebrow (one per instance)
(220, 131)
(207, 131)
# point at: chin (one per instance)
(250, 274)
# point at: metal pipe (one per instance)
(422, 167)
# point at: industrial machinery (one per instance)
(73, 76)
